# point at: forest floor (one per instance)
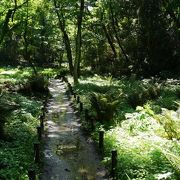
(145, 128)
(68, 153)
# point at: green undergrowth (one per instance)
(129, 93)
(25, 81)
(16, 75)
(16, 147)
(19, 118)
(145, 150)
(144, 127)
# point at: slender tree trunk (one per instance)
(109, 40)
(68, 51)
(5, 25)
(78, 42)
(114, 24)
(65, 38)
(26, 43)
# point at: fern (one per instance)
(169, 119)
(173, 159)
(104, 106)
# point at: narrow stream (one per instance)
(68, 154)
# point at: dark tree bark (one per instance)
(114, 26)
(65, 38)
(5, 27)
(109, 40)
(78, 41)
(26, 42)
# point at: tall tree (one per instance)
(62, 26)
(60, 8)
(9, 16)
(26, 40)
(156, 48)
(78, 41)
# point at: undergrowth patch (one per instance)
(19, 121)
(145, 128)
(16, 150)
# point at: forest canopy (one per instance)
(120, 37)
(111, 65)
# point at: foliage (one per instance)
(6, 107)
(104, 106)
(16, 153)
(118, 37)
(142, 153)
(62, 73)
(169, 120)
(137, 39)
(168, 97)
(147, 136)
(143, 93)
(38, 83)
(18, 122)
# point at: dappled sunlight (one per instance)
(65, 144)
(95, 83)
(20, 131)
(145, 140)
(9, 72)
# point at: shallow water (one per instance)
(68, 154)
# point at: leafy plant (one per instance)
(36, 84)
(6, 107)
(104, 106)
(142, 94)
(16, 152)
(170, 121)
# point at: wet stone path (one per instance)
(68, 154)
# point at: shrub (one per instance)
(62, 73)
(168, 119)
(36, 84)
(170, 122)
(138, 96)
(6, 107)
(104, 106)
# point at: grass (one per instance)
(19, 74)
(19, 125)
(145, 127)
(143, 151)
(16, 150)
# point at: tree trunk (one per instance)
(114, 24)
(65, 38)
(26, 43)
(109, 40)
(78, 42)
